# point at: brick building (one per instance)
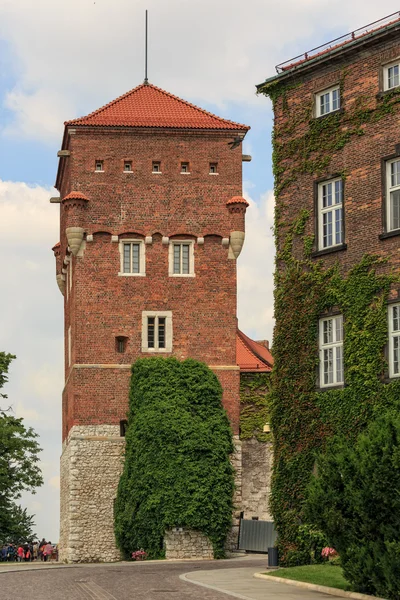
(337, 189)
(152, 220)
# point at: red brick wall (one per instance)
(103, 305)
(360, 158)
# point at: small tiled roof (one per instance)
(237, 200)
(75, 196)
(56, 246)
(252, 356)
(150, 106)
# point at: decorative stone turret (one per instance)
(237, 208)
(74, 204)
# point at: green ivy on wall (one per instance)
(303, 417)
(177, 471)
(254, 410)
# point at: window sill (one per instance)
(328, 388)
(131, 274)
(389, 234)
(128, 172)
(161, 350)
(185, 173)
(213, 173)
(190, 275)
(384, 93)
(99, 171)
(156, 172)
(333, 112)
(329, 250)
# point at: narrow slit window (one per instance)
(185, 167)
(156, 167)
(127, 166)
(99, 164)
(213, 168)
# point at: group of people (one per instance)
(28, 552)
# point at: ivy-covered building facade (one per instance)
(336, 159)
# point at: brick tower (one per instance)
(151, 222)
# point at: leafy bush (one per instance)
(355, 501)
(177, 471)
(308, 550)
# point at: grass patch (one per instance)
(325, 574)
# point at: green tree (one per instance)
(19, 469)
(355, 500)
(177, 470)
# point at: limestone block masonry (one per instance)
(187, 544)
(91, 465)
(257, 458)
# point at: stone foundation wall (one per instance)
(187, 544)
(91, 465)
(257, 460)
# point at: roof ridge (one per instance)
(244, 339)
(186, 103)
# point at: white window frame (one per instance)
(158, 163)
(391, 188)
(128, 162)
(330, 93)
(101, 163)
(394, 340)
(185, 164)
(386, 68)
(168, 330)
(142, 257)
(335, 346)
(173, 243)
(330, 209)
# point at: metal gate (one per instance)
(256, 536)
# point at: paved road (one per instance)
(149, 581)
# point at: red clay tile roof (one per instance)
(75, 196)
(56, 247)
(238, 200)
(150, 106)
(252, 356)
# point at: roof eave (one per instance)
(311, 63)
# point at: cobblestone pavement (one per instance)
(144, 581)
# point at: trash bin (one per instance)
(273, 557)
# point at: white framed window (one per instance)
(128, 166)
(156, 166)
(156, 331)
(132, 255)
(394, 340)
(393, 194)
(181, 258)
(330, 213)
(99, 166)
(213, 168)
(327, 101)
(331, 351)
(391, 76)
(185, 168)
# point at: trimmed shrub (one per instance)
(177, 471)
(355, 501)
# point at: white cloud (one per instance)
(74, 56)
(255, 269)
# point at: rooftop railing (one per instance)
(338, 42)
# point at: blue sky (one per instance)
(59, 60)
